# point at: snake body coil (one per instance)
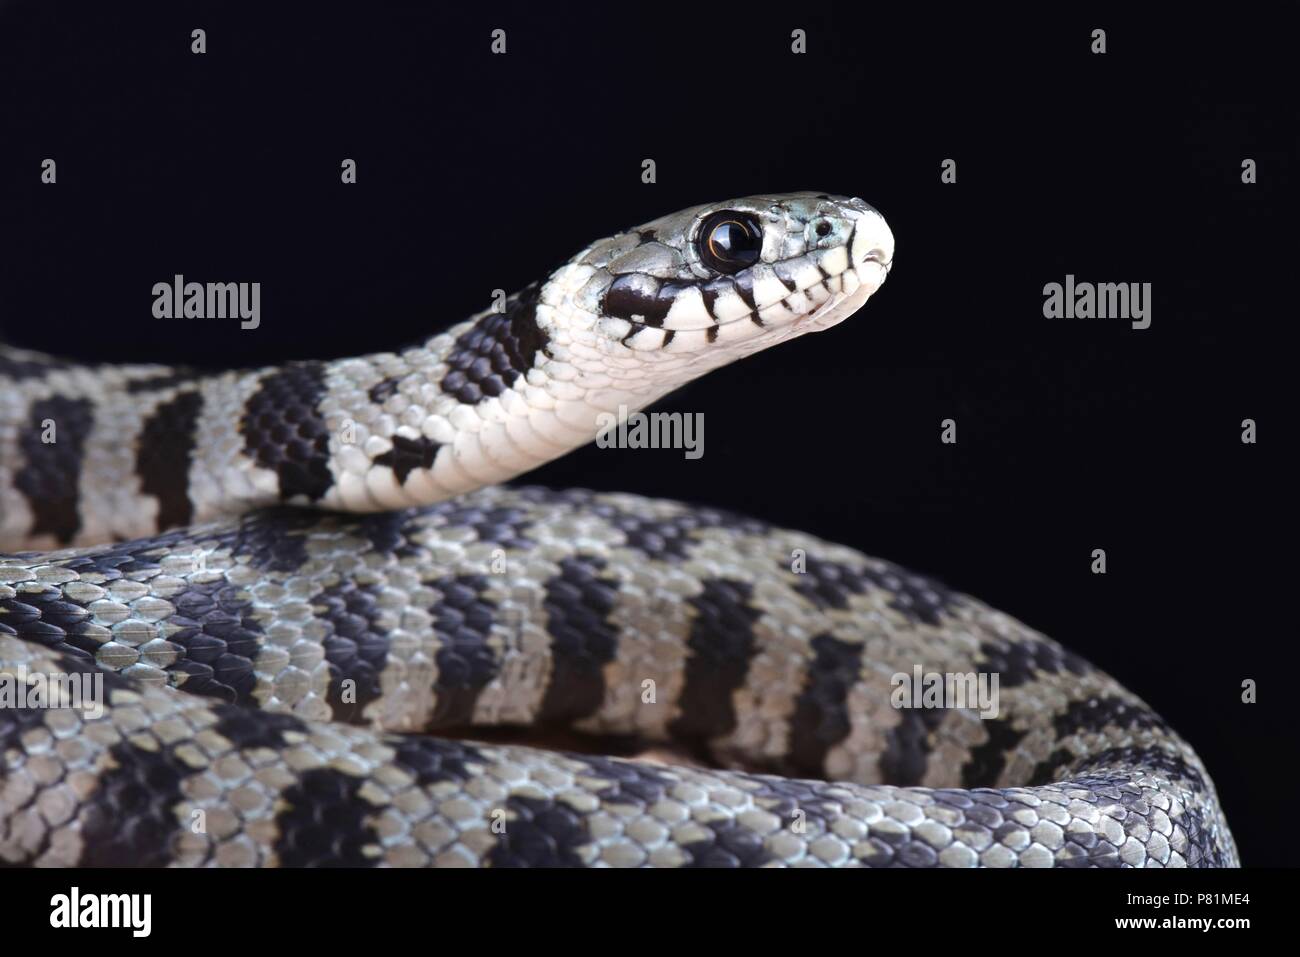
(269, 677)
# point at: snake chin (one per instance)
(869, 276)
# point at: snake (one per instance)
(292, 616)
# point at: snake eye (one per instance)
(730, 241)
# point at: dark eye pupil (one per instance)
(732, 241)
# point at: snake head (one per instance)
(621, 324)
(715, 282)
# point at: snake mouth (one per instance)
(877, 256)
(843, 304)
(844, 292)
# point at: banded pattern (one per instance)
(607, 613)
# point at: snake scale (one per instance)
(295, 583)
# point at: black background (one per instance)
(478, 171)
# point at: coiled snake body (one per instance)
(271, 672)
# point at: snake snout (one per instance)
(873, 241)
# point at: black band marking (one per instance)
(407, 455)
(1022, 661)
(130, 819)
(503, 525)
(248, 728)
(631, 297)
(744, 286)
(667, 538)
(221, 637)
(51, 471)
(163, 458)
(356, 648)
(324, 822)
(285, 432)
(821, 714)
(486, 359)
(1098, 714)
(539, 832)
(434, 760)
(583, 640)
(381, 390)
(988, 760)
(828, 584)
(46, 617)
(462, 620)
(907, 745)
(721, 645)
(710, 294)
